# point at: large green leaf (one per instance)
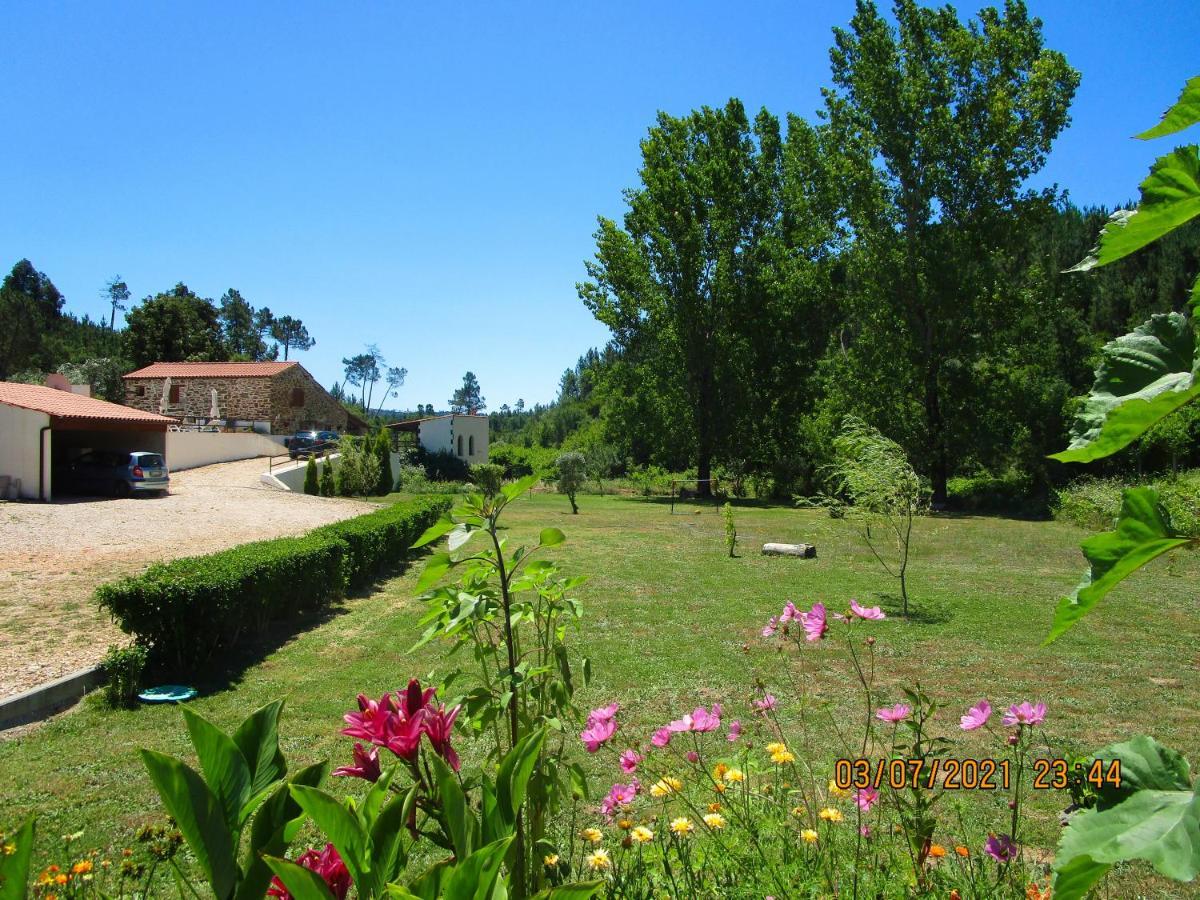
(433, 532)
(302, 883)
(388, 854)
(474, 878)
(224, 767)
(550, 537)
(515, 771)
(14, 867)
(1146, 765)
(342, 829)
(1185, 112)
(1142, 534)
(580, 890)
(435, 567)
(464, 829)
(1142, 377)
(1160, 827)
(258, 739)
(1170, 198)
(274, 827)
(199, 817)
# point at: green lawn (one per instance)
(672, 621)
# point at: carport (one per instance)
(44, 427)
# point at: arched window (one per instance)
(460, 453)
(471, 445)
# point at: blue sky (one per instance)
(426, 177)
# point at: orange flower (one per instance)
(937, 851)
(1032, 893)
(714, 807)
(962, 851)
(955, 895)
(61, 879)
(82, 867)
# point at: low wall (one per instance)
(291, 476)
(189, 449)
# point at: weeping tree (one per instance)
(873, 475)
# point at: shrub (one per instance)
(358, 468)
(730, 529)
(488, 477)
(311, 486)
(383, 451)
(1094, 503)
(411, 479)
(1010, 492)
(519, 462)
(187, 610)
(122, 668)
(328, 487)
(442, 465)
(572, 470)
(378, 540)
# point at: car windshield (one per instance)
(149, 460)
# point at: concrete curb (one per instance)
(44, 700)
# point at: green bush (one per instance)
(122, 668)
(519, 462)
(442, 465)
(328, 486)
(187, 610)
(380, 539)
(1011, 492)
(358, 468)
(1093, 503)
(488, 478)
(383, 450)
(311, 485)
(572, 470)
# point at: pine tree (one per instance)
(383, 449)
(327, 486)
(311, 484)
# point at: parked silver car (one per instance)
(118, 472)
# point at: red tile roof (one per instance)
(66, 405)
(212, 369)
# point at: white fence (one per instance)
(189, 449)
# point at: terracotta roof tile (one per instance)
(72, 406)
(212, 369)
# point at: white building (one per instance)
(462, 435)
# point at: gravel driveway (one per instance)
(53, 555)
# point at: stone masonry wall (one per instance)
(257, 398)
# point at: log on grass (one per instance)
(804, 551)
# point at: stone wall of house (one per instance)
(247, 397)
(319, 411)
(253, 398)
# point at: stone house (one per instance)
(267, 397)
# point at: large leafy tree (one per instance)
(940, 124)
(675, 279)
(174, 326)
(30, 308)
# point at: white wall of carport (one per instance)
(190, 449)
(434, 435)
(20, 431)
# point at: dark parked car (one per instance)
(312, 443)
(118, 472)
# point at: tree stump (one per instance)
(804, 551)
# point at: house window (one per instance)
(460, 453)
(141, 390)
(297, 396)
(174, 393)
(471, 445)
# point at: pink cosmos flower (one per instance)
(814, 622)
(630, 760)
(706, 720)
(619, 795)
(866, 798)
(873, 612)
(1001, 848)
(366, 764)
(894, 714)
(662, 737)
(597, 733)
(604, 713)
(766, 704)
(789, 613)
(735, 731)
(1025, 714)
(770, 628)
(328, 865)
(976, 717)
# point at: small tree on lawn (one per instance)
(730, 529)
(488, 477)
(311, 484)
(572, 470)
(328, 488)
(886, 494)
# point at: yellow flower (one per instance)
(775, 747)
(719, 771)
(682, 826)
(719, 788)
(808, 836)
(625, 824)
(830, 814)
(82, 867)
(783, 756)
(835, 791)
(797, 811)
(598, 859)
(551, 861)
(734, 776)
(10, 849)
(664, 786)
(592, 835)
(642, 834)
(715, 820)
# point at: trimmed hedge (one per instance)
(379, 539)
(187, 610)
